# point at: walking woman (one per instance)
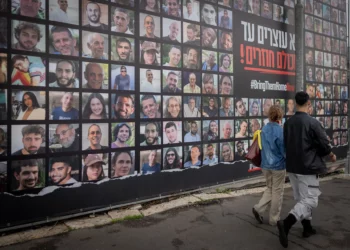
(273, 167)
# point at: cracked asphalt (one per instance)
(219, 225)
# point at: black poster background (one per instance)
(244, 77)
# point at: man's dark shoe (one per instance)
(257, 216)
(308, 233)
(282, 233)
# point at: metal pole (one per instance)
(299, 45)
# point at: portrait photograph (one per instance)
(336, 108)
(3, 140)
(172, 107)
(191, 34)
(64, 41)
(95, 106)
(191, 82)
(226, 108)
(64, 105)
(28, 139)
(63, 73)
(320, 108)
(266, 9)
(172, 158)
(326, 12)
(95, 136)
(28, 36)
(227, 129)
(64, 137)
(191, 58)
(150, 133)
(94, 15)
(210, 154)
(241, 106)
(150, 5)
(150, 80)
(27, 174)
(209, 14)
(122, 20)
(171, 8)
(3, 68)
(254, 107)
(122, 77)
(193, 156)
(122, 164)
(64, 170)
(309, 22)
(192, 106)
(95, 75)
(254, 125)
(241, 149)
(123, 135)
(211, 107)
(149, 25)
(225, 18)
(318, 25)
(95, 45)
(171, 81)
(282, 104)
(309, 39)
(209, 83)
(3, 104)
(225, 63)
(172, 132)
(209, 60)
(151, 161)
(190, 10)
(3, 176)
(64, 11)
(150, 53)
(241, 128)
(254, 7)
(122, 49)
(336, 122)
(95, 167)
(30, 105)
(171, 31)
(227, 151)
(209, 37)
(171, 56)
(326, 28)
(28, 71)
(35, 10)
(192, 131)
(210, 130)
(327, 59)
(225, 40)
(122, 106)
(4, 5)
(150, 106)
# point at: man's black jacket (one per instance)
(306, 143)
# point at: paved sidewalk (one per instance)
(214, 225)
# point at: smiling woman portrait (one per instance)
(30, 108)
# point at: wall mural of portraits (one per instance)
(111, 89)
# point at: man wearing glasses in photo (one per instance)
(95, 136)
(66, 139)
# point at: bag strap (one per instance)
(257, 135)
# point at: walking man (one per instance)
(306, 143)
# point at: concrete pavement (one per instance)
(214, 225)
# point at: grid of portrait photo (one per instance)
(326, 73)
(107, 89)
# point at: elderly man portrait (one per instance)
(93, 14)
(192, 87)
(190, 109)
(95, 42)
(94, 136)
(65, 139)
(65, 75)
(174, 30)
(227, 130)
(28, 36)
(94, 76)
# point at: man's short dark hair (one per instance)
(155, 124)
(57, 29)
(67, 61)
(170, 124)
(124, 96)
(25, 25)
(301, 98)
(118, 127)
(17, 165)
(146, 97)
(33, 129)
(122, 40)
(66, 161)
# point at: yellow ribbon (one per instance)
(257, 135)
